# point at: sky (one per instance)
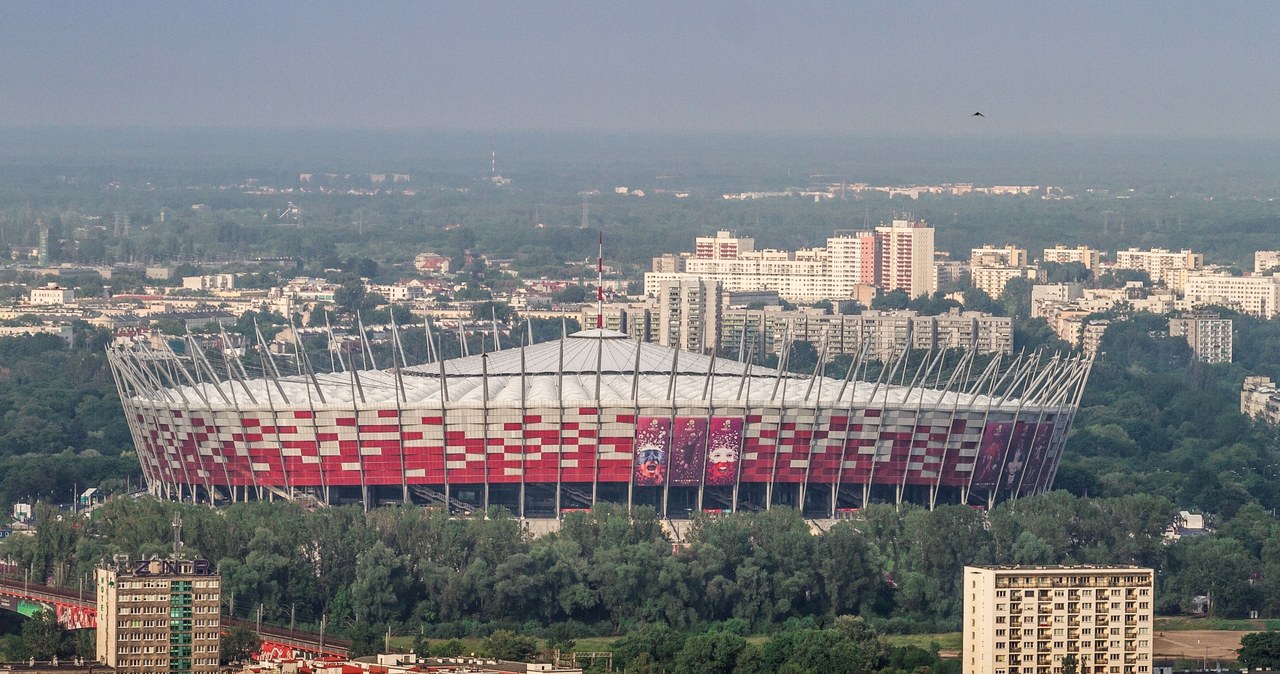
(915, 69)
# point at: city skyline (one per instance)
(1141, 69)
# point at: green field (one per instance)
(1221, 624)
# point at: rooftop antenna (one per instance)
(600, 283)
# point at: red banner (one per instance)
(652, 435)
(723, 450)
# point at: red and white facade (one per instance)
(598, 417)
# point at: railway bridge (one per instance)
(78, 610)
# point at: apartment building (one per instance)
(209, 282)
(689, 314)
(1027, 619)
(1091, 335)
(723, 246)
(52, 294)
(997, 256)
(1085, 255)
(1254, 295)
(1265, 261)
(159, 616)
(898, 256)
(883, 333)
(1208, 335)
(1163, 266)
(906, 258)
(992, 280)
(1259, 399)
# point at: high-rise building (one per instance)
(1208, 335)
(1028, 619)
(906, 257)
(852, 264)
(1167, 267)
(853, 260)
(689, 314)
(159, 616)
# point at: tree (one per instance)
(1070, 665)
(1016, 297)
(239, 644)
(507, 645)
(711, 653)
(350, 295)
(365, 640)
(487, 311)
(381, 584)
(42, 637)
(572, 294)
(897, 299)
(1260, 650)
(448, 649)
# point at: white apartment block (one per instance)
(1254, 295)
(1260, 400)
(1208, 335)
(52, 294)
(997, 256)
(723, 246)
(1265, 260)
(209, 282)
(1167, 267)
(1027, 619)
(841, 270)
(992, 280)
(1085, 255)
(906, 258)
(1043, 296)
(883, 333)
(159, 617)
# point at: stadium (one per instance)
(598, 417)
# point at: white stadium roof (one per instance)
(570, 370)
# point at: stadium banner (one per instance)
(688, 451)
(1016, 462)
(1053, 452)
(723, 449)
(1039, 452)
(652, 435)
(995, 438)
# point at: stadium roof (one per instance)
(589, 351)
(589, 368)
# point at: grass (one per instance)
(947, 641)
(1218, 624)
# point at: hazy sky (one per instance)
(904, 68)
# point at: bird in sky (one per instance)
(977, 114)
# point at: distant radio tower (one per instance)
(585, 220)
(493, 162)
(600, 283)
